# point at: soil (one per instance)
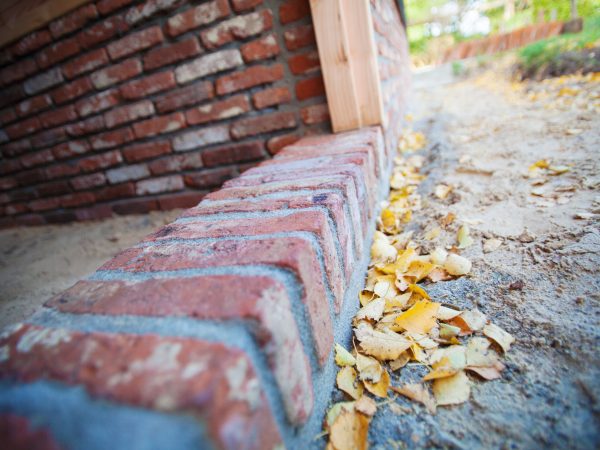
(38, 262)
(541, 284)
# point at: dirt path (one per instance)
(38, 262)
(541, 284)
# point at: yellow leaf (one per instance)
(365, 297)
(445, 313)
(380, 388)
(343, 357)
(474, 319)
(419, 270)
(442, 191)
(369, 369)
(335, 411)
(349, 431)
(464, 239)
(419, 393)
(457, 265)
(400, 361)
(382, 251)
(384, 345)
(452, 390)
(432, 233)
(372, 311)
(499, 336)
(385, 287)
(397, 302)
(388, 220)
(418, 290)
(448, 331)
(420, 318)
(404, 260)
(541, 164)
(366, 405)
(347, 382)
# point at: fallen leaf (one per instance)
(452, 390)
(445, 313)
(380, 388)
(418, 290)
(366, 405)
(343, 357)
(385, 287)
(382, 251)
(349, 431)
(388, 220)
(432, 233)
(487, 373)
(419, 393)
(457, 265)
(369, 369)
(463, 237)
(448, 331)
(420, 318)
(491, 245)
(400, 361)
(438, 274)
(365, 297)
(438, 256)
(384, 345)
(447, 219)
(347, 382)
(335, 411)
(499, 336)
(474, 319)
(372, 311)
(442, 191)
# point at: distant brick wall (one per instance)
(126, 106)
(217, 329)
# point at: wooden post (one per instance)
(346, 44)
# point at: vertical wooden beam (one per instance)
(348, 55)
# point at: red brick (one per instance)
(206, 179)
(159, 125)
(9, 166)
(128, 113)
(118, 191)
(271, 97)
(146, 150)
(73, 21)
(60, 216)
(102, 31)
(134, 42)
(262, 48)
(30, 220)
(57, 52)
(309, 88)
(72, 90)
(107, 6)
(115, 74)
(162, 184)
(48, 138)
(148, 9)
(293, 10)
(77, 199)
(111, 138)
(180, 200)
(135, 206)
(36, 158)
(33, 105)
(242, 5)
(224, 109)
(17, 71)
(127, 173)
(304, 63)
(237, 416)
(98, 102)
(102, 161)
(89, 125)
(23, 128)
(58, 116)
(233, 153)
(177, 51)
(199, 138)
(240, 27)
(86, 62)
(61, 170)
(262, 124)
(53, 188)
(185, 96)
(315, 114)
(176, 163)
(7, 115)
(43, 81)
(252, 76)
(195, 17)
(19, 434)
(278, 142)
(88, 181)
(95, 212)
(15, 208)
(44, 204)
(208, 64)
(299, 37)
(70, 148)
(7, 183)
(16, 147)
(31, 42)
(149, 85)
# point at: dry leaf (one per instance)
(499, 336)
(445, 313)
(369, 369)
(438, 256)
(372, 311)
(487, 373)
(420, 318)
(343, 357)
(366, 405)
(457, 265)
(400, 361)
(365, 297)
(417, 270)
(463, 237)
(382, 251)
(385, 287)
(419, 393)
(452, 390)
(347, 382)
(442, 191)
(381, 387)
(432, 233)
(384, 345)
(335, 411)
(491, 245)
(474, 319)
(438, 274)
(447, 219)
(349, 431)
(448, 331)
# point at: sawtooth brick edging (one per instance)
(220, 325)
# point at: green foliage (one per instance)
(585, 8)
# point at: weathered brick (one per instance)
(309, 88)
(7, 115)
(7, 183)
(102, 31)
(180, 200)
(262, 48)
(271, 97)
(58, 116)
(30, 220)
(149, 85)
(233, 153)
(95, 212)
(57, 52)
(115, 74)
(169, 54)
(102, 161)
(24, 127)
(18, 433)
(12, 94)
(17, 71)
(70, 148)
(37, 158)
(195, 17)
(148, 9)
(111, 138)
(208, 64)
(134, 42)
(206, 179)
(292, 10)
(48, 138)
(242, 5)
(159, 125)
(73, 21)
(89, 125)
(85, 63)
(117, 191)
(315, 114)
(31, 42)
(146, 150)
(33, 105)
(98, 102)
(43, 81)
(77, 199)
(224, 109)
(261, 124)
(9, 166)
(157, 185)
(304, 63)
(299, 37)
(128, 113)
(135, 206)
(237, 415)
(53, 188)
(15, 208)
(185, 96)
(59, 216)
(176, 163)
(72, 90)
(88, 181)
(61, 170)
(127, 173)
(239, 27)
(200, 138)
(278, 142)
(252, 76)
(107, 6)
(44, 204)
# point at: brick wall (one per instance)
(217, 329)
(125, 106)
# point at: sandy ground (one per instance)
(38, 262)
(542, 284)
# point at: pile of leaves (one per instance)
(399, 324)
